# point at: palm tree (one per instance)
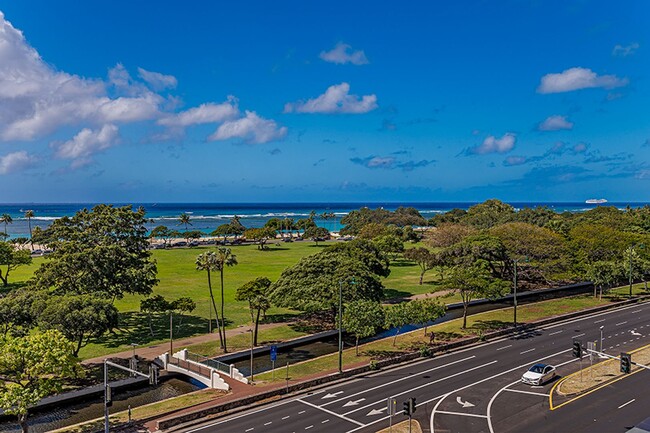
(208, 262)
(6, 218)
(224, 257)
(184, 219)
(29, 214)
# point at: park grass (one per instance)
(243, 341)
(477, 325)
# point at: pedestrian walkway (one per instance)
(151, 352)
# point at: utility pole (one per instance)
(515, 295)
(631, 247)
(171, 334)
(340, 326)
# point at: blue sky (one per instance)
(330, 101)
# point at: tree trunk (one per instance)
(464, 315)
(214, 306)
(151, 325)
(4, 279)
(223, 319)
(357, 345)
(22, 420)
(31, 241)
(422, 276)
(395, 337)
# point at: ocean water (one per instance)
(207, 216)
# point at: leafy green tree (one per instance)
(448, 234)
(410, 235)
(305, 223)
(236, 226)
(18, 311)
(79, 317)
(104, 251)
(390, 245)
(208, 262)
(473, 282)
(255, 292)
(6, 219)
(317, 234)
(224, 230)
(260, 236)
(481, 248)
(362, 319)
(193, 235)
(424, 258)
(11, 258)
(184, 305)
(184, 220)
(163, 233)
(539, 216)
(426, 310)
(604, 274)
(398, 316)
(29, 214)
(489, 214)
(31, 368)
(154, 305)
(454, 216)
(224, 258)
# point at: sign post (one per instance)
(274, 356)
(392, 405)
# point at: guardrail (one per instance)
(217, 365)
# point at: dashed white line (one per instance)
(309, 426)
(556, 332)
(625, 404)
(269, 423)
(286, 417)
(621, 323)
(526, 351)
(301, 412)
(327, 420)
(635, 311)
(504, 347)
(579, 335)
(601, 320)
(250, 429)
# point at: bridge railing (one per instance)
(191, 366)
(217, 365)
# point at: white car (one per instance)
(538, 374)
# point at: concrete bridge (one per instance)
(207, 371)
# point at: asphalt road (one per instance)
(473, 390)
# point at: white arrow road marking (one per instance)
(463, 403)
(376, 411)
(633, 331)
(353, 403)
(332, 395)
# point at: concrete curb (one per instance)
(240, 405)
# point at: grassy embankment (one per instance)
(178, 277)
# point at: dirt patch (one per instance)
(403, 427)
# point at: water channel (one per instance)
(93, 407)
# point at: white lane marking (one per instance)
(250, 429)
(621, 323)
(327, 420)
(625, 404)
(331, 413)
(579, 335)
(354, 403)
(400, 379)
(308, 427)
(376, 411)
(332, 394)
(601, 320)
(504, 347)
(424, 385)
(302, 411)
(633, 332)
(526, 351)
(475, 415)
(558, 332)
(636, 311)
(528, 392)
(464, 404)
(269, 423)
(286, 417)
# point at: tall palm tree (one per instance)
(184, 219)
(224, 257)
(29, 214)
(208, 262)
(6, 219)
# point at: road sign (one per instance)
(274, 353)
(392, 406)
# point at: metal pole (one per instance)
(251, 331)
(601, 338)
(340, 326)
(515, 296)
(106, 426)
(631, 269)
(210, 321)
(287, 377)
(171, 333)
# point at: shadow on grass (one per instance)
(313, 323)
(318, 246)
(394, 296)
(134, 328)
(489, 325)
(382, 354)
(402, 263)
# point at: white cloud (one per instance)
(578, 78)
(555, 123)
(204, 113)
(491, 144)
(514, 160)
(251, 129)
(158, 81)
(86, 143)
(16, 161)
(342, 54)
(624, 51)
(336, 99)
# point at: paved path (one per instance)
(151, 352)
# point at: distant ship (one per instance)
(596, 201)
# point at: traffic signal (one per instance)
(407, 408)
(626, 362)
(577, 349)
(412, 404)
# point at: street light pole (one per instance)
(340, 326)
(631, 269)
(252, 342)
(515, 296)
(106, 425)
(171, 333)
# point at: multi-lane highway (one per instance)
(473, 390)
